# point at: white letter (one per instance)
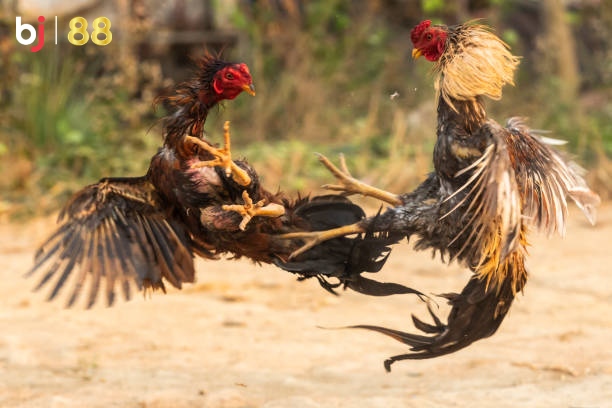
(19, 29)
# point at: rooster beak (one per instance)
(416, 53)
(250, 89)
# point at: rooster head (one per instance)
(428, 40)
(470, 60)
(214, 81)
(222, 80)
(231, 80)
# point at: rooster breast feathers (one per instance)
(115, 230)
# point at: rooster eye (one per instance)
(229, 75)
(428, 37)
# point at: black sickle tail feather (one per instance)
(369, 252)
(476, 313)
(344, 259)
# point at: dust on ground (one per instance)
(252, 336)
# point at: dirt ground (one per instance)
(250, 336)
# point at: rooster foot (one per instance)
(350, 185)
(222, 157)
(250, 209)
(314, 238)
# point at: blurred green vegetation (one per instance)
(64, 125)
(331, 77)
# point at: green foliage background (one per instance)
(325, 73)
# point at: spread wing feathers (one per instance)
(476, 313)
(491, 207)
(476, 62)
(114, 231)
(546, 178)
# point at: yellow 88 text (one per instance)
(101, 34)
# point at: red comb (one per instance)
(416, 32)
(244, 68)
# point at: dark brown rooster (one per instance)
(193, 200)
(139, 228)
(490, 185)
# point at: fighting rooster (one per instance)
(194, 199)
(491, 184)
(139, 228)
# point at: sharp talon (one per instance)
(301, 250)
(207, 163)
(309, 237)
(350, 185)
(226, 134)
(314, 238)
(245, 221)
(222, 157)
(336, 187)
(343, 165)
(249, 210)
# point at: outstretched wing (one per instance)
(114, 231)
(546, 178)
(520, 179)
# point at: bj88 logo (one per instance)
(78, 33)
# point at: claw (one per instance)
(222, 157)
(314, 238)
(350, 185)
(250, 210)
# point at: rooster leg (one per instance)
(351, 185)
(314, 238)
(222, 157)
(250, 209)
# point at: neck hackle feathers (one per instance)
(193, 100)
(476, 62)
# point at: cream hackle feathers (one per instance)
(476, 62)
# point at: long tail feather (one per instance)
(476, 313)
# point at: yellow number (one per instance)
(101, 25)
(78, 25)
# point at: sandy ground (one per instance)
(249, 336)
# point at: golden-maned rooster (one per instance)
(491, 184)
(194, 200)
